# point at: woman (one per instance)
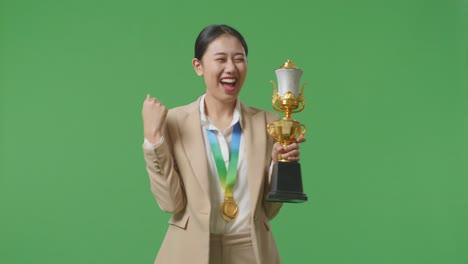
(209, 162)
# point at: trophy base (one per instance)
(286, 197)
(286, 183)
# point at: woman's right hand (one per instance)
(154, 119)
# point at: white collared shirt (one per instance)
(241, 189)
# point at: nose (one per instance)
(230, 66)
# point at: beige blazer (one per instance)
(178, 171)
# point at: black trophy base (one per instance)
(286, 183)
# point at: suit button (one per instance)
(155, 161)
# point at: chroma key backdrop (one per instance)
(385, 165)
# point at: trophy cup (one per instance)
(286, 180)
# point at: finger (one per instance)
(290, 147)
(150, 99)
(294, 158)
(301, 139)
(293, 153)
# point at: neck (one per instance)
(219, 112)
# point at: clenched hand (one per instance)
(154, 119)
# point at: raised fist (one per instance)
(154, 119)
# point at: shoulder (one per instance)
(269, 116)
(184, 110)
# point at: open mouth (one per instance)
(229, 84)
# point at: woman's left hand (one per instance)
(289, 152)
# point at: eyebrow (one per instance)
(224, 53)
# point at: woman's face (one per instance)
(224, 68)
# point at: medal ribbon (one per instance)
(227, 177)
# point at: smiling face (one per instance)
(224, 68)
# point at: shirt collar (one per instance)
(206, 122)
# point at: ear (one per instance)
(197, 66)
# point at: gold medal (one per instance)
(229, 209)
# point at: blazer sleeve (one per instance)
(271, 208)
(166, 184)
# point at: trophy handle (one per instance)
(302, 130)
(271, 129)
(275, 97)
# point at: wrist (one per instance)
(153, 138)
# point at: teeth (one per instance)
(229, 80)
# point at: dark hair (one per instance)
(210, 33)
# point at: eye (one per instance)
(239, 59)
(221, 59)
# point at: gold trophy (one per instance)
(286, 180)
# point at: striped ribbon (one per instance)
(227, 177)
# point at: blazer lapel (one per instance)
(192, 139)
(255, 139)
(254, 131)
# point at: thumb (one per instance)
(278, 148)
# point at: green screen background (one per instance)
(385, 164)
